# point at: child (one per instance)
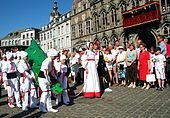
(160, 63)
(152, 64)
(63, 81)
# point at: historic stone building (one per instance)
(19, 38)
(80, 23)
(57, 33)
(120, 20)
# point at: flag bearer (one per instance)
(47, 68)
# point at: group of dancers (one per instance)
(18, 79)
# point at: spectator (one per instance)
(152, 64)
(108, 61)
(117, 44)
(114, 56)
(162, 45)
(160, 64)
(121, 65)
(131, 63)
(144, 65)
(168, 60)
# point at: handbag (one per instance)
(150, 78)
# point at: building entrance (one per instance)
(147, 38)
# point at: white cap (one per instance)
(52, 52)
(62, 57)
(9, 56)
(23, 54)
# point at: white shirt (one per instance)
(159, 61)
(114, 52)
(16, 61)
(10, 67)
(24, 67)
(120, 57)
(48, 67)
(108, 57)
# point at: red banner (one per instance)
(141, 19)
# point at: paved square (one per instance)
(120, 103)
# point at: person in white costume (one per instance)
(26, 83)
(47, 68)
(63, 81)
(3, 63)
(16, 58)
(91, 79)
(11, 80)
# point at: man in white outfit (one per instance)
(27, 85)
(11, 80)
(47, 68)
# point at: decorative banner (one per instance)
(153, 14)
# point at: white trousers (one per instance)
(160, 73)
(63, 82)
(13, 91)
(46, 94)
(28, 93)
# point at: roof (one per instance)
(16, 33)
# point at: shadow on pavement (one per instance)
(3, 103)
(3, 115)
(36, 115)
(22, 114)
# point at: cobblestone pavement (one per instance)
(120, 103)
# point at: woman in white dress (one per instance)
(91, 79)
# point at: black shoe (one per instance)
(160, 89)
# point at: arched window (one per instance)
(113, 15)
(123, 6)
(166, 31)
(13, 42)
(16, 43)
(23, 43)
(96, 23)
(104, 19)
(6, 43)
(51, 45)
(58, 30)
(50, 34)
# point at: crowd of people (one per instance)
(97, 68)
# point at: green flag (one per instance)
(35, 58)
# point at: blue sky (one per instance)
(20, 14)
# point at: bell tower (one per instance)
(55, 13)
